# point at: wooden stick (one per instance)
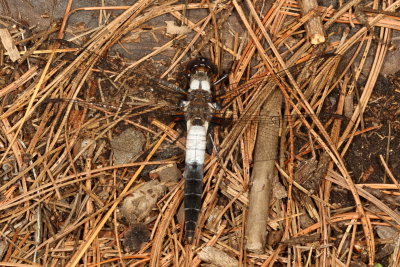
(263, 175)
(314, 28)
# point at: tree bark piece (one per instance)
(263, 173)
(217, 257)
(314, 28)
(9, 45)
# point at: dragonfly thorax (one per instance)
(198, 109)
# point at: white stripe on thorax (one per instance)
(196, 84)
(196, 143)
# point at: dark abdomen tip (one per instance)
(192, 200)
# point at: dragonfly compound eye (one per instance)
(201, 64)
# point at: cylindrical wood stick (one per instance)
(263, 173)
(314, 28)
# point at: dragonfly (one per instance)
(199, 109)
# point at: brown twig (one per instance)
(263, 175)
(314, 28)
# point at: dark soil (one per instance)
(363, 154)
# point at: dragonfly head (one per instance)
(201, 71)
(201, 64)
